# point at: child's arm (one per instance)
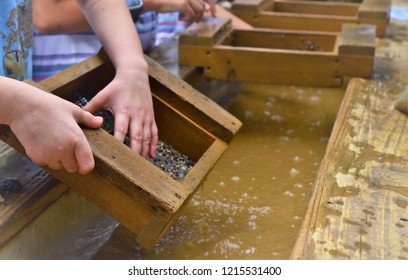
(58, 16)
(65, 16)
(128, 96)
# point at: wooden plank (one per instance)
(29, 211)
(379, 9)
(252, 65)
(358, 209)
(357, 40)
(252, 5)
(179, 132)
(288, 40)
(192, 103)
(114, 180)
(20, 208)
(356, 66)
(248, 56)
(316, 8)
(356, 48)
(78, 77)
(375, 12)
(204, 164)
(207, 32)
(290, 21)
(314, 15)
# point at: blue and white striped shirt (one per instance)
(54, 53)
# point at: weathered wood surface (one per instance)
(312, 15)
(276, 56)
(196, 106)
(358, 209)
(123, 184)
(20, 207)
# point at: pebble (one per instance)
(10, 185)
(171, 161)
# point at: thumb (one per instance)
(89, 120)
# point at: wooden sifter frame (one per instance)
(125, 185)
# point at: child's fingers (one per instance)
(136, 136)
(55, 165)
(154, 140)
(89, 120)
(121, 127)
(211, 3)
(70, 163)
(146, 140)
(84, 157)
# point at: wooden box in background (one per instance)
(278, 56)
(312, 15)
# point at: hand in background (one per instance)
(190, 10)
(194, 10)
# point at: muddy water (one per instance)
(250, 207)
(252, 204)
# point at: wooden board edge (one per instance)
(304, 239)
(217, 120)
(34, 207)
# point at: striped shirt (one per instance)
(169, 25)
(54, 53)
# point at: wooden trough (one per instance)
(125, 185)
(278, 56)
(358, 208)
(312, 15)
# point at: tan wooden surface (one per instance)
(316, 8)
(312, 15)
(358, 209)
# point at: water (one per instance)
(252, 204)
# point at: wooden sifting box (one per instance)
(312, 15)
(131, 189)
(278, 56)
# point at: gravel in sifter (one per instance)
(168, 159)
(171, 161)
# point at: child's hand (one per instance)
(47, 127)
(128, 96)
(193, 10)
(129, 99)
(190, 10)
